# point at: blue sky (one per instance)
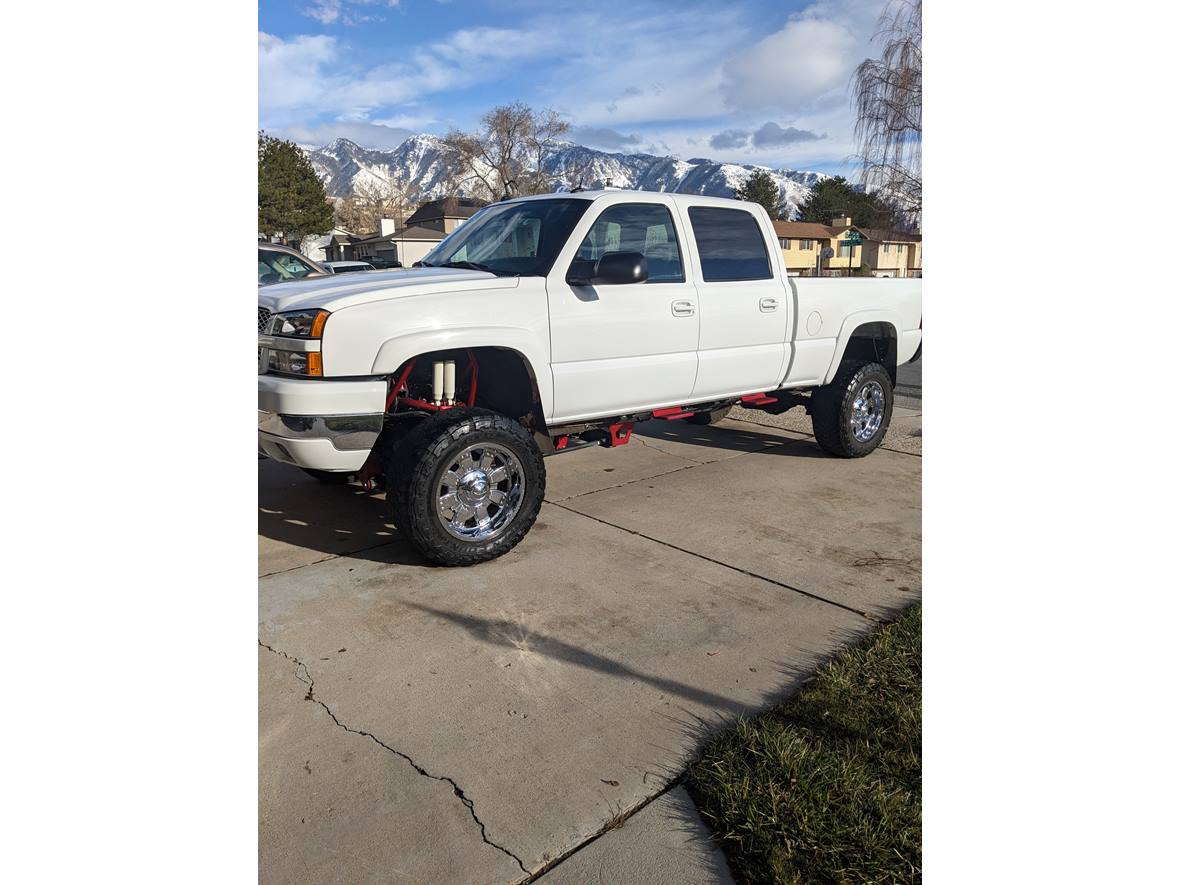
(745, 81)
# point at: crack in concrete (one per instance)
(650, 445)
(625, 483)
(864, 614)
(329, 558)
(310, 696)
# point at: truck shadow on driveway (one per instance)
(297, 511)
(730, 436)
(507, 634)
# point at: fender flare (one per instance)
(851, 323)
(395, 351)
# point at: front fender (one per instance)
(395, 351)
(851, 323)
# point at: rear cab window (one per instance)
(730, 245)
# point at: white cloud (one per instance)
(652, 64)
(330, 12)
(671, 76)
(602, 137)
(803, 61)
(291, 72)
(299, 79)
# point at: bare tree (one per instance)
(507, 155)
(362, 211)
(887, 96)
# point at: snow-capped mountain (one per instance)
(425, 164)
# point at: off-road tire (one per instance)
(710, 417)
(832, 410)
(415, 466)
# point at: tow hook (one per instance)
(369, 472)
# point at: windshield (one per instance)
(274, 267)
(511, 239)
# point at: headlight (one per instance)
(295, 362)
(298, 324)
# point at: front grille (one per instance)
(263, 319)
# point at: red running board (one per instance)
(758, 399)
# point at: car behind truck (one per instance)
(547, 323)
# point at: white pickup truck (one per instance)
(547, 323)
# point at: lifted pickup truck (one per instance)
(547, 323)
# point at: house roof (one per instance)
(890, 236)
(457, 207)
(406, 233)
(806, 230)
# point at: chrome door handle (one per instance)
(766, 305)
(683, 308)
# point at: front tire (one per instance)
(466, 486)
(851, 415)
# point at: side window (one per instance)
(636, 227)
(730, 244)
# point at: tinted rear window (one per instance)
(730, 244)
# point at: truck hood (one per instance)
(346, 290)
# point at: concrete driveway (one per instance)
(420, 724)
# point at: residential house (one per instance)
(802, 243)
(890, 253)
(445, 214)
(405, 245)
(883, 253)
(334, 246)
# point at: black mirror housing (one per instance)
(612, 269)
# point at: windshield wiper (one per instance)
(466, 265)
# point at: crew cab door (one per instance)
(621, 348)
(744, 304)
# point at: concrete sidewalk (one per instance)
(476, 725)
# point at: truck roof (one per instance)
(653, 196)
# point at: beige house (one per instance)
(802, 243)
(884, 253)
(893, 253)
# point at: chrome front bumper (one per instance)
(346, 432)
(319, 424)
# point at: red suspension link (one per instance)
(472, 383)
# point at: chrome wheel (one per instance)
(868, 411)
(480, 492)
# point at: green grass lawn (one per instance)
(827, 787)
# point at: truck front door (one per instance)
(622, 348)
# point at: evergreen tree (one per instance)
(760, 188)
(835, 197)
(291, 198)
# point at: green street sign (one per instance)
(853, 237)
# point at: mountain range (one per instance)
(425, 164)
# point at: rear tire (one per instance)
(851, 415)
(465, 486)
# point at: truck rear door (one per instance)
(743, 304)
